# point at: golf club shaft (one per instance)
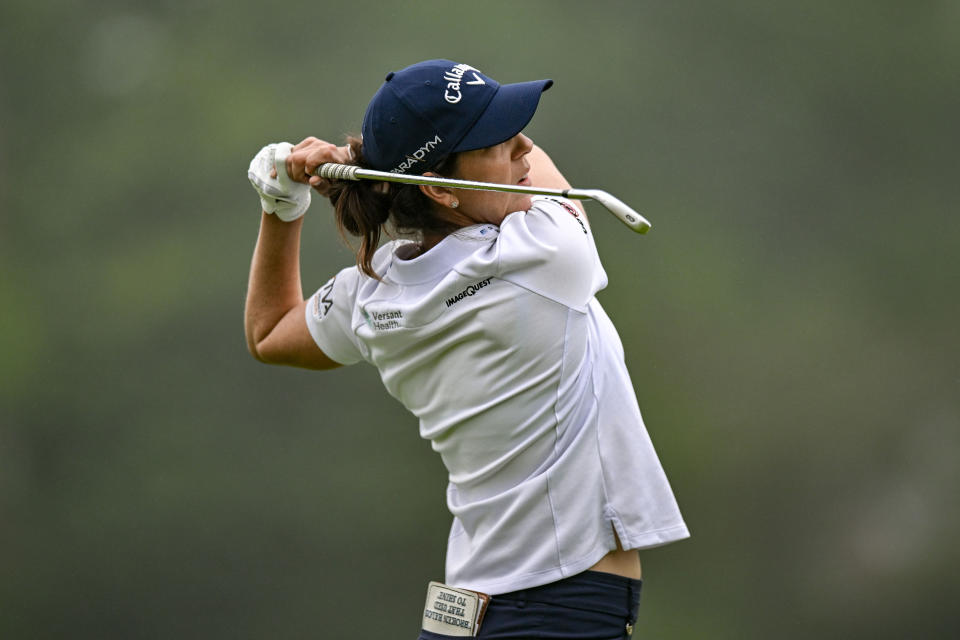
(624, 213)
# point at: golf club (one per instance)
(625, 214)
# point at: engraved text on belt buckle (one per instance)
(453, 612)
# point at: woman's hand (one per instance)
(280, 195)
(309, 154)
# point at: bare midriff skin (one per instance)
(620, 562)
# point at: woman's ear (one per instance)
(441, 195)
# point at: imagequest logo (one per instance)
(469, 291)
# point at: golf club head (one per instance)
(620, 209)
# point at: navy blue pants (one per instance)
(588, 606)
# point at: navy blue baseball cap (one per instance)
(425, 112)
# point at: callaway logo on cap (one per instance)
(429, 110)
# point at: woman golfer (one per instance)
(482, 321)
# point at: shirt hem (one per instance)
(647, 540)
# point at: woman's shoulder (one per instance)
(552, 229)
(549, 249)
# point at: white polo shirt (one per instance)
(495, 341)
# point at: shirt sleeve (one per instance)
(549, 250)
(329, 315)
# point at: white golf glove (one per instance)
(286, 198)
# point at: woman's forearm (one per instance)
(274, 287)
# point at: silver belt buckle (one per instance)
(453, 612)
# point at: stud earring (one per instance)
(454, 204)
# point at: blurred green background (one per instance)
(791, 322)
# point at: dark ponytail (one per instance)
(365, 208)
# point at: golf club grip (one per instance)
(333, 171)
